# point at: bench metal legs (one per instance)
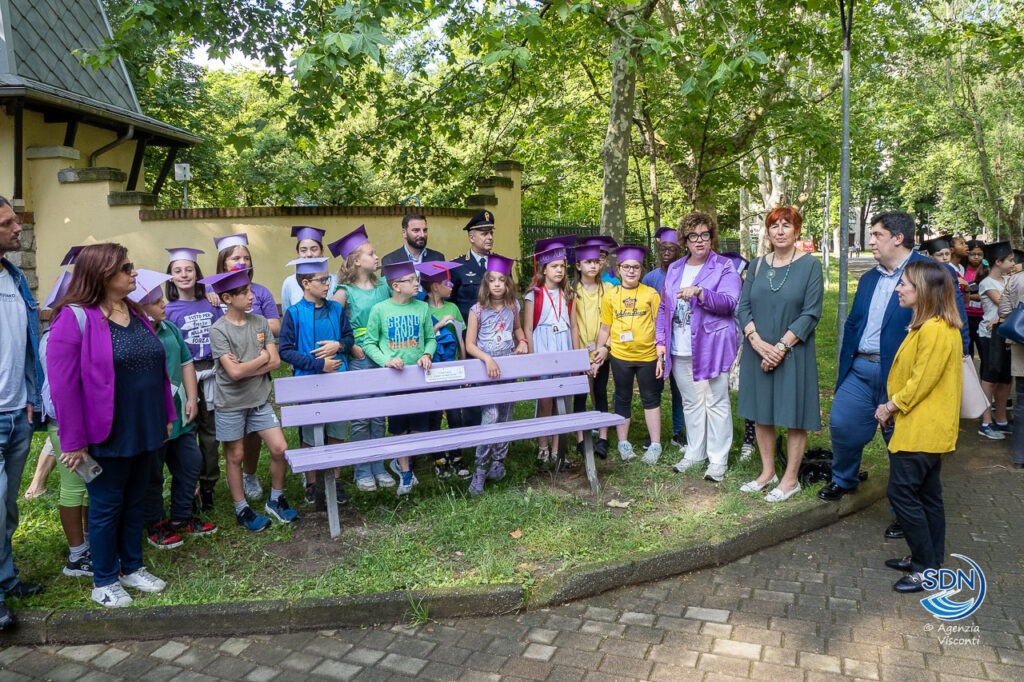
(325, 478)
(588, 461)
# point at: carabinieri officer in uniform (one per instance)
(467, 278)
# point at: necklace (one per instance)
(771, 274)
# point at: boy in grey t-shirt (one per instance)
(245, 352)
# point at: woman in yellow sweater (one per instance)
(924, 406)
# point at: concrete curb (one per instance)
(80, 626)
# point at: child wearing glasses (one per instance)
(315, 336)
(400, 332)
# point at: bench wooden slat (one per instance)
(359, 452)
(382, 381)
(414, 403)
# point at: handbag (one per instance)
(1012, 328)
(973, 401)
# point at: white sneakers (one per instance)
(366, 484)
(777, 495)
(754, 487)
(746, 450)
(716, 472)
(652, 454)
(114, 595)
(251, 486)
(686, 464)
(626, 450)
(384, 481)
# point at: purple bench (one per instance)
(319, 399)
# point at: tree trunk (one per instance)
(615, 151)
(744, 215)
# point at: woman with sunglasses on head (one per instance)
(112, 395)
(779, 308)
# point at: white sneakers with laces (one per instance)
(143, 580)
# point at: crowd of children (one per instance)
(223, 336)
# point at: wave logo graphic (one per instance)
(952, 583)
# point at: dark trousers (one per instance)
(624, 372)
(852, 422)
(972, 328)
(1017, 454)
(598, 392)
(116, 499)
(209, 448)
(915, 493)
(454, 421)
(183, 458)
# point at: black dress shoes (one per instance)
(909, 583)
(900, 564)
(833, 491)
(23, 589)
(894, 531)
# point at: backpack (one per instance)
(538, 305)
(816, 466)
(447, 344)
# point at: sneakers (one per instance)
(340, 492)
(251, 485)
(193, 526)
(162, 537)
(476, 486)
(601, 448)
(778, 495)
(406, 488)
(746, 450)
(251, 520)
(204, 500)
(1005, 428)
(990, 431)
(82, 566)
(496, 472)
(755, 487)
(442, 469)
(367, 484)
(112, 596)
(626, 451)
(686, 464)
(143, 581)
(543, 455)
(679, 439)
(280, 510)
(398, 472)
(459, 467)
(652, 454)
(309, 493)
(384, 481)
(716, 472)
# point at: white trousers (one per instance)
(707, 411)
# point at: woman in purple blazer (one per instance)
(112, 396)
(696, 334)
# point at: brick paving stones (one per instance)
(818, 607)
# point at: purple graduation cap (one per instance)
(398, 270)
(502, 264)
(301, 232)
(588, 252)
(226, 281)
(666, 235)
(60, 289)
(71, 255)
(183, 253)
(437, 271)
(231, 241)
(147, 286)
(349, 243)
(309, 266)
(738, 261)
(553, 249)
(630, 252)
(605, 242)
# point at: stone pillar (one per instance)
(25, 257)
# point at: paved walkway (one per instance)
(814, 608)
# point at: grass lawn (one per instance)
(440, 535)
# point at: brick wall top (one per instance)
(303, 211)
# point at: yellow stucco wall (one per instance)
(78, 213)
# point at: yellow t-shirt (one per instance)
(587, 308)
(631, 312)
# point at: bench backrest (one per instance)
(386, 381)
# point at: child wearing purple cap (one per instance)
(550, 325)
(233, 254)
(246, 353)
(494, 330)
(309, 243)
(589, 290)
(189, 310)
(399, 332)
(359, 289)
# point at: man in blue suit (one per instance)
(873, 333)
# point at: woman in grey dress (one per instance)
(779, 307)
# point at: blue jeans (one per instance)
(15, 440)
(366, 429)
(183, 459)
(116, 501)
(678, 421)
(852, 421)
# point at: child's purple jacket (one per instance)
(80, 368)
(713, 329)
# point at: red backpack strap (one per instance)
(538, 303)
